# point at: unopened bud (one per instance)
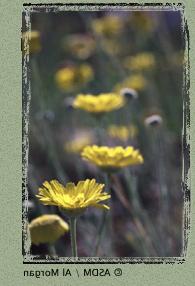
(153, 120)
(129, 93)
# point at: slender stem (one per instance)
(73, 236)
(104, 219)
(52, 250)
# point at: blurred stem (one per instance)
(52, 250)
(139, 212)
(163, 192)
(105, 218)
(99, 129)
(46, 129)
(73, 221)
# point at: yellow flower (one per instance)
(73, 199)
(47, 229)
(142, 21)
(122, 132)
(98, 104)
(135, 81)
(31, 42)
(80, 46)
(112, 158)
(112, 45)
(72, 77)
(107, 25)
(140, 61)
(85, 73)
(77, 145)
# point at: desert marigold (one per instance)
(47, 229)
(122, 132)
(112, 158)
(78, 144)
(108, 26)
(73, 199)
(80, 45)
(98, 104)
(135, 81)
(71, 77)
(31, 42)
(142, 21)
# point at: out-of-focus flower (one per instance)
(141, 61)
(177, 59)
(153, 120)
(142, 21)
(112, 158)
(80, 45)
(47, 229)
(31, 42)
(135, 81)
(122, 132)
(98, 104)
(111, 45)
(108, 26)
(71, 77)
(85, 73)
(73, 199)
(78, 143)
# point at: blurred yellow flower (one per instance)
(110, 25)
(142, 21)
(47, 229)
(112, 158)
(71, 77)
(139, 62)
(112, 46)
(98, 104)
(85, 73)
(31, 42)
(135, 81)
(77, 144)
(80, 45)
(122, 132)
(73, 199)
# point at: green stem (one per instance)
(52, 250)
(105, 217)
(73, 236)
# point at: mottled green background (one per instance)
(11, 272)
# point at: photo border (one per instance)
(26, 97)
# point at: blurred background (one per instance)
(103, 52)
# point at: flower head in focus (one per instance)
(122, 132)
(112, 158)
(71, 77)
(140, 62)
(47, 229)
(31, 42)
(73, 199)
(108, 26)
(98, 104)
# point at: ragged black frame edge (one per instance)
(28, 8)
